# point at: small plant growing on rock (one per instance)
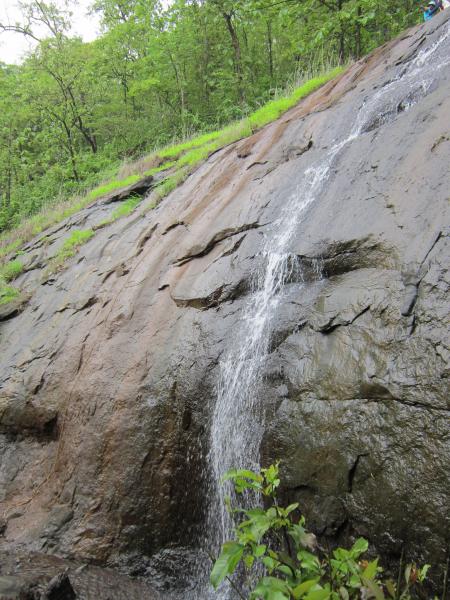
(8, 293)
(273, 543)
(72, 244)
(11, 270)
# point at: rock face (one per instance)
(108, 374)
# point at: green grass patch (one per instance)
(125, 209)
(77, 238)
(33, 226)
(274, 109)
(8, 248)
(198, 149)
(169, 184)
(175, 151)
(102, 190)
(197, 155)
(11, 270)
(8, 293)
(167, 165)
(235, 131)
(70, 247)
(8, 272)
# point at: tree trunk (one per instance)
(358, 34)
(71, 151)
(180, 91)
(237, 56)
(269, 47)
(341, 35)
(85, 132)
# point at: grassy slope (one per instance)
(180, 159)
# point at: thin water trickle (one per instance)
(238, 417)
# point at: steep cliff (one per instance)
(109, 373)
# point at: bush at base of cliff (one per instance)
(274, 542)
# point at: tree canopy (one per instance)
(73, 110)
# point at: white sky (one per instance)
(13, 46)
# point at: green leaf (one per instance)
(249, 559)
(291, 507)
(408, 570)
(343, 593)
(285, 570)
(390, 586)
(270, 588)
(257, 526)
(371, 569)
(309, 561)
(269, 562)
(376, 590)
(301, 537)
(359, 547)
(245, 473)
(228, 559)
(259, 550)
(284, 556)
(318, 595)
(355, 581)
(303, 587)
(423, 572)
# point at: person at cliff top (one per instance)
(432, 9)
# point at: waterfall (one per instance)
(238, 417)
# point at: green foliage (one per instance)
(175, 151)
(77, 238)
(8, 248)
(274, 540)
(73, 111)
(164, 167)
(11, 270)
(193, 152)
(169, 184)
(272, 110)
(7, 293)
(8, 272)
(111, 186)
(123, 210)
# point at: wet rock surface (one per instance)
(36, 576)
(108, 372)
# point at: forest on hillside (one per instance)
(73, 111)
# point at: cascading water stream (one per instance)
(238, 418)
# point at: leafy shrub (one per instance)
(274, 541)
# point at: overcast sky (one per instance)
(13, 46)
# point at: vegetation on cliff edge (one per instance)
(73, 111)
